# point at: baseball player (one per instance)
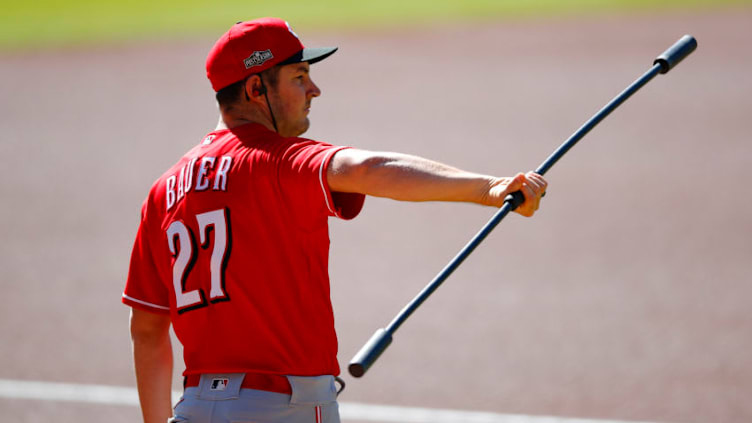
(232, 248)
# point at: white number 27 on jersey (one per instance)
(182, 245)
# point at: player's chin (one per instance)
(304, 125)
(301, 127)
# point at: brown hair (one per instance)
(230, 94)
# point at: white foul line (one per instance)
(117, 395)
(49, 391)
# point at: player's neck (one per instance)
(229, 122)
(246, 111)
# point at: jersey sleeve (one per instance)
(144, 290)
(303, 171)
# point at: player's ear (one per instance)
(254, 88)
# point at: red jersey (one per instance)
(234, 245)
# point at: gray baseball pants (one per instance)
(313, 400)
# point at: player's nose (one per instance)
(313, 90)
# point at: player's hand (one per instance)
(530, 184)
(533, 189)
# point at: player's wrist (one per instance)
(488, 191)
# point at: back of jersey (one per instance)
(234, 244)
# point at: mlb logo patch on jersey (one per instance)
(219, 384)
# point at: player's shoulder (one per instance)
(281, 148)
(260, 137)
(305, 143)
(194, 153)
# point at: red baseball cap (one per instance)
(254, 46)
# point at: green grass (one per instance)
(51, 23)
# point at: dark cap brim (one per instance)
(310, 55)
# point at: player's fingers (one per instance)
(515, 184)
(532, 200)
(534, 196)
(537, 182)
(540, 180)
(508, 186)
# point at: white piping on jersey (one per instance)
(321, 181)
(145, 303)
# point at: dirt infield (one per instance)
(627, 297)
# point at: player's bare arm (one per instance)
(410, 178)
(152, 357)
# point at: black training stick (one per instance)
(383, 337)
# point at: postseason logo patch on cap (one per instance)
(258, 58)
